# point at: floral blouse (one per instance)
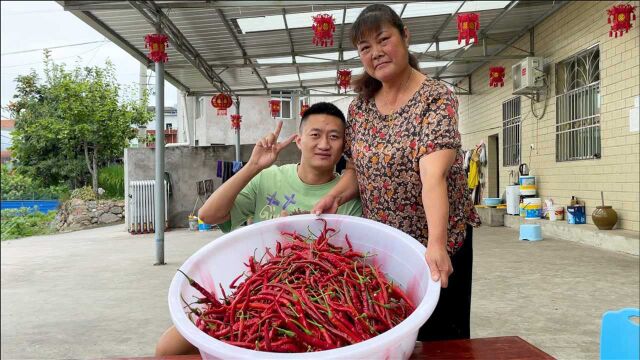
(386, 150)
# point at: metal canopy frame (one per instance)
(237, 69)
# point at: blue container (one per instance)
(576, 214)
(33, 205)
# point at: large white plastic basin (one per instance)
(399, 255)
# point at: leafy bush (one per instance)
(111, 179)
(16, 186)
(17, 223)
(83, 193)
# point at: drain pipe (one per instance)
(238, 130)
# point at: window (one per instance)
(578, 106)
(199, 106)
(285, 98)
(511, 133)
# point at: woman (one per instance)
(404, 156)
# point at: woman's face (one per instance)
(384, 54)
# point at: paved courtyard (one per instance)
(96, 294)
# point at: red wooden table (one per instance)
(495, 348)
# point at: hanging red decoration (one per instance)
(236, 119)
(324, 26)
(221, 102)
(468, 25)
(344, 79)
(620, 17)
(303, 108)
(496, 76)
(274, 106)
(156, 43)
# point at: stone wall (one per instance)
(78, 214)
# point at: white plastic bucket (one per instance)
(528, 185)
(531, 208)
(399, 255)
(556, 213)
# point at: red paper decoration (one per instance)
(303, 108)
(274, 106)
(323, 28)
(344, 79)
(468, 26)
(221, 102)
(156, 43)
(496, 76)
(620, 17)
(236, 119)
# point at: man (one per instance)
(264, 192)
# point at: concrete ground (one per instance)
(96, 294)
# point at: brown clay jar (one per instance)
(604, 217)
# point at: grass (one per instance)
(17, 223)
(111, 179)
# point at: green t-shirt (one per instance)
(279, 188)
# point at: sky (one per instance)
(29, 25)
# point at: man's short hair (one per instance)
(323, 108)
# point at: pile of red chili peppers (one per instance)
(308, 296)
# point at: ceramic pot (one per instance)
(604, 217)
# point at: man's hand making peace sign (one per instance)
(266, 151)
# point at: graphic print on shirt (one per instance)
(270, 210)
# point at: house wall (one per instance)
(575, 27)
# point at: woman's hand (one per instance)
(439, 263)
(266, 151)
(326, 205)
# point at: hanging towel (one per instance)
(474, 175)
(237, 165)
(219, 169)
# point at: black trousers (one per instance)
(452, 315)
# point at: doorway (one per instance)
(493, 166)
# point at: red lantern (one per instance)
(344, 79)
(323, 28)
(221, 102)
(157, 43)
(620, 17)
(274, 106)
(468, 26)
(496, 76)
(236, 119)
(303, 108)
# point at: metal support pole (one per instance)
(532, 42)
(159, 188)
(238, 131)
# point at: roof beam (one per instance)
(436, 36)
(231, 32)
(482, 33)
(210, 4)
(356, 62)
(156, 17)
(105, 30)
(293, 58)
(554, 7)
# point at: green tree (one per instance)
(72, 122)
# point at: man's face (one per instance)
(321, 141)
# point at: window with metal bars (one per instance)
(511, 133)
(578, 107)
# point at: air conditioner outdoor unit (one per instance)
(528, 76)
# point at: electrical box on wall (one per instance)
(528, 76)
